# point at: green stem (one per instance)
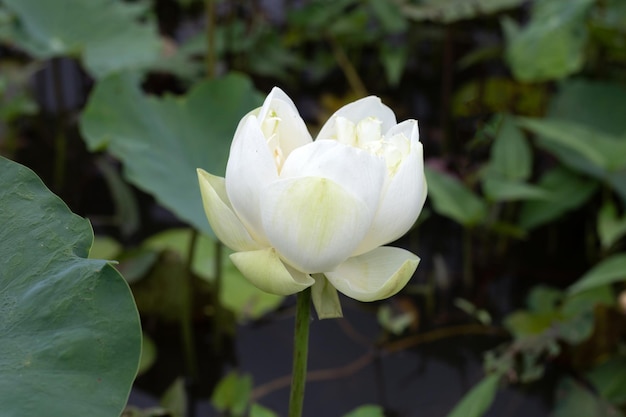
(300, 353)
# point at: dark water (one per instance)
(426, 380)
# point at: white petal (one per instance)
(355, 170)
(325, 298)
(314, 223)
(250, 168)
(408, 128)
(401, 202)
(264, 269)
(375, 275)
(290, 128)
(223, 220)
(356, 111)
(368, 130)
(276, 94)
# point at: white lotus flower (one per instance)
(301, 213)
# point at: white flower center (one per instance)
(366, 135)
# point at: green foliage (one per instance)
(548, 149)
(566, 191)
(510, 165)
(232, 394)
(366, 411)
(606, 152)
(173, 403)
(236, 293)
(15, 99)
(553, 314)
(498, 189)
(108, 35)
(609, 379)
(69, 328)
(148, 354)
(394, 323)
(592, 103)
(127, 217)
(602, 119)
(553, 317)
(448, 11)
(575, 400)
(552, 45)
(257, 410)
(606, 29)
(498, 95)
(478, 400)
(174, 399)
(610, 227)
(453, 199)
(610, 270)
(511, 155)
(161, 141)
(390, 16)
(104, 247)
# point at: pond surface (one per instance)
(424, 379)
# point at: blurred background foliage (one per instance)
(522, 112)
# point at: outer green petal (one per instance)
(223, 220)
(375, 275)
(314, 223)
(264, 269)
(325, 298)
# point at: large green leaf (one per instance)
(453, 199)
(107, 34)
(161, 141)
(511, 156)
(606, 151)
(498, 189)
(597, 106)
(610, 270)
(478, 400)
(567, 191)
(552, 45)
(69, 334)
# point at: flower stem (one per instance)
(300, 353)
